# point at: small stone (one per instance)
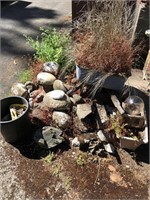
(59, 85)
(44, 78)
(101, 136)
(19, 89)
(30, 86)
(75, 142)
(30, 102)
(109, 148)
(62, 119)
(37, 95)
(77, 99)
(34, 93)
(57, 94)
(83, 110)
(51, 67)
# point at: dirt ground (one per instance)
(74, 174)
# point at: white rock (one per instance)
(62, 119)
(75, 142)
(44, 78)
(109, 148)
(57, 94)
(101, 136)
(147, 32)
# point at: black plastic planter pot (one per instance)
(112, 82)
(18, 129)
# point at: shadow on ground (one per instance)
(21, 16)
(20, 12)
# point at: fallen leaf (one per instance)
(115, 177)
(15, 62)
(111, 168)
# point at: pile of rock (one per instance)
(57, 107)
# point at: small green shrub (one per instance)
(68, 182)
(57, 170)
(49, 158)
(51, 46)
(25, 75)
(80, 159)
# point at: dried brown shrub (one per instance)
(104, 36)
(36, 66)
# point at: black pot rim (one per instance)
(26, 110)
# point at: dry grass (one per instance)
(103, 38)
(36, 66)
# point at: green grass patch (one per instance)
(25, 75)
(49, 158)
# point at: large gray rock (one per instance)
(19, 89)
(44, 78)
(48, 137)
(62, 119)
(57, 100)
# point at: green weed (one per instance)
(48, 159)
(51, 46)
(57, 170)
(25, 75)
(68, 182)
(80, 159)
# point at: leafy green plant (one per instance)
(117, 125)
(49, 158)
(57, 170)
(51, 46)
(118, 128)
(80, 159)
(68, 182)
(25, 75)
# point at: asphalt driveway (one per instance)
(25, 17)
